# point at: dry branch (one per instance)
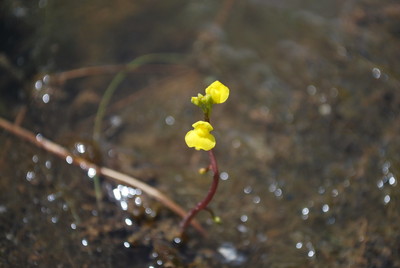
(63, 153)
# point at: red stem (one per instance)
(211, 192)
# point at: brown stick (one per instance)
(61, 77)
(17, 121)
(63, 153)
(223, 12)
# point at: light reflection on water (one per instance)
(305, 212)
(131, 199)
(91, 173)
(325, 208)
(84, 242)
(48, 164)
(224, 176)
(128, 221)
(386, 199)
(387, 182)
(231, 255)
(69, 159)
(42, 89)
(30, 175)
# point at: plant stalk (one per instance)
(211, 192)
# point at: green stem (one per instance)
(109, 92)
(97, 191)
(101, 110)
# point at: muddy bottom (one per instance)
(307, 143)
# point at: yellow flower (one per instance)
(200, 137)
(218, 91)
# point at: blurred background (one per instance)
(307, 143)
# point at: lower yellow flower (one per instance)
(218, 91)
(200, 137)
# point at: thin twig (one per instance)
(87, 71)
(223, 13)
(18, 120)
(61, 77)
(63, 153)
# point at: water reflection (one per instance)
(91, 173)
(46, 98)
(278, 192)
(3, 209)
(231, 255)
(54, 219)
(42, 89)
(30, 175)
(80, 147)
(304, 213)
(35, 158)
(242, 228)
(48, 164)
(376, 73)
(256, 200)
(224, 176)
(124, 205)
(388, 179)
(131, 199)
(51, 197)
(386, 199)
(325, 208)
(335, 193)
(138, 201)
(170, 120)
(69, 160)
(248, 189)
(84, 242)
(392, 180)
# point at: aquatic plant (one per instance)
(200, 138)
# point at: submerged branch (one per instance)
(63, 153)
(62, 77)
(18, 120)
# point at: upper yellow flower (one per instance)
(200, 137)
(218, 91)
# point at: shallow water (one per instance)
(307, 143)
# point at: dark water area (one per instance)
(308, 142)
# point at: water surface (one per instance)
(307, 142)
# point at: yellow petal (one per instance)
(218, 91)
(200, 137)
(202, 126)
